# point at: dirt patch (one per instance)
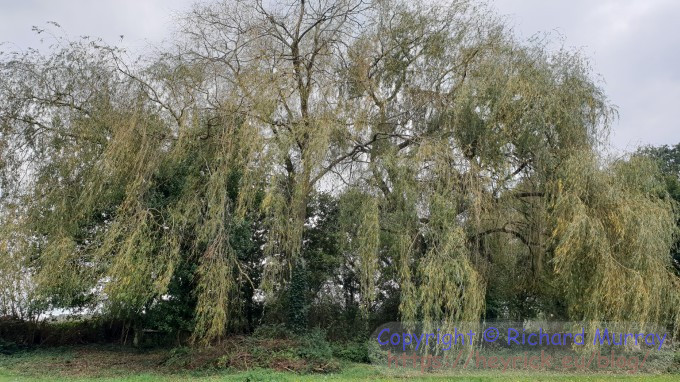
(86, 361)
(235, 353)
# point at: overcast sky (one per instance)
(633, 44)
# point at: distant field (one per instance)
(115, 364)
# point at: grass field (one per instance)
(115, 364)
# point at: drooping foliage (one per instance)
(668, 160)
(612, 234)
(398, 160)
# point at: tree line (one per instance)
(333, 163)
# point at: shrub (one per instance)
(274, 331)
(178, 357)
(8, 347)
(315, 347)
(352, 351)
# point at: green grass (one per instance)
(102, 363)
(353, 374)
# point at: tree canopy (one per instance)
(401, 160)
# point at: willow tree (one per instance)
(461, 157)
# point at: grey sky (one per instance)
(634, 45)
